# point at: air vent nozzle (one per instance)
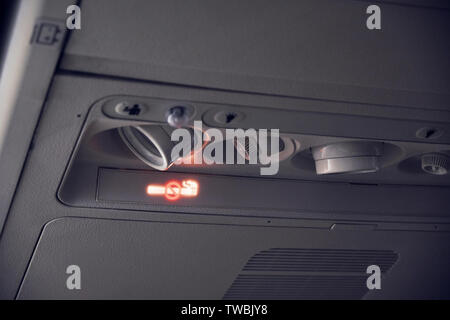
(151, 144)
(286, 147)
(435, 163)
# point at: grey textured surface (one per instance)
(36, 203)
(311, 48)
(130, 259)
(40, 65)
(310, 56)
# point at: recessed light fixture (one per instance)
(348, 157)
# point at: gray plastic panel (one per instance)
(389, 123)
(100, 146)
(312, 48)
(268, 195)
(150, 260)
(36, 203)
(25, 82)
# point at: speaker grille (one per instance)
(296, 273)
(323, 260)
(297, 287)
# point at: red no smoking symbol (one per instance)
(173, 190)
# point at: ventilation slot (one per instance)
(293, 273)
(273, 287)
(320, 260)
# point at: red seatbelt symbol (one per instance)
(173, 190)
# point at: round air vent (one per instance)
(286, 147)
(248, 148)
(151, 144)
(348, 157)
(435, 163)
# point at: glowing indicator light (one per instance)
(174, 190)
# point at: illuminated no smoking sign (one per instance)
(173, 190)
